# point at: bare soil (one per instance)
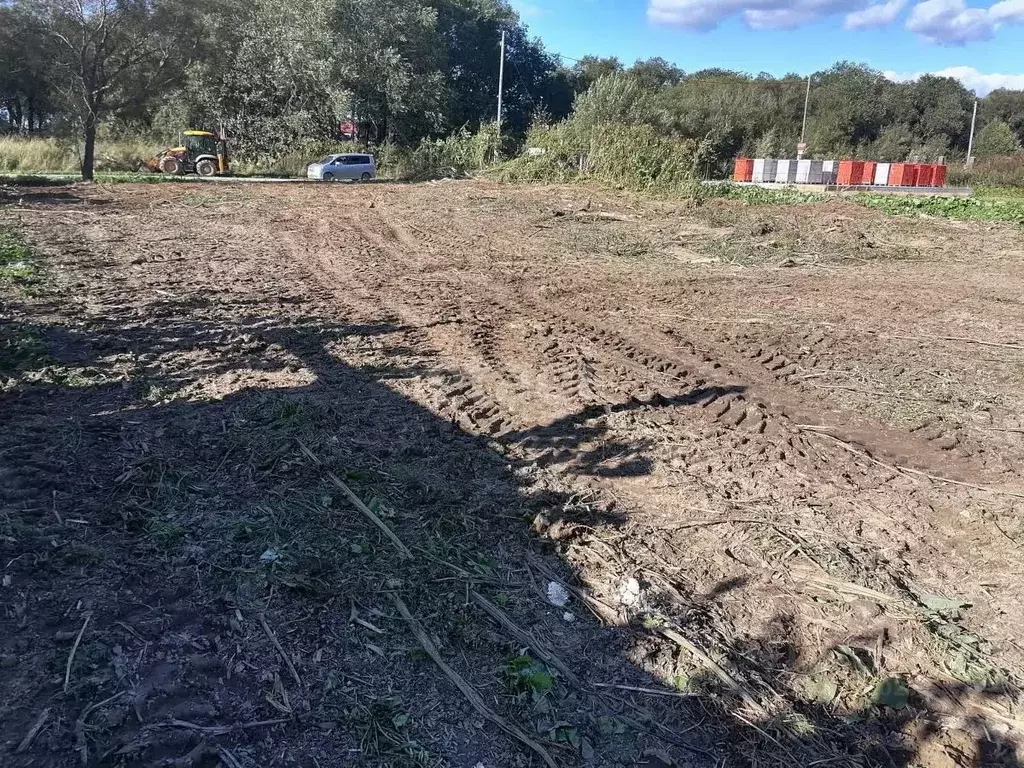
(288, 475)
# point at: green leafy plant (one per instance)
(526, 676)
(961, 208)
(18, 266)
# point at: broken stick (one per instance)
(280, 650)
(468, 691)
(356, 502)
(74, 650)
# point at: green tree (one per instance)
(110, 54)
(768, 145)
(262, 70)
(26, 70)
(655, 73)
(1004, 104)
(590, 69)
(996, 138)
(893, 144)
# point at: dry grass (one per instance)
(37, 155)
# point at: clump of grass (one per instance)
(18, 266)
(165, 533)
(21, 347)
(20, 154)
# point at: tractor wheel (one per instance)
(206, 168)
(170, 165)
(328, 176)
(365, 177)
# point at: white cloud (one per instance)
(950, 22)
(944, 22)
(878, 15)
(703, 15)
(982, 84)
(1007, 10)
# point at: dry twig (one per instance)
(220, 730)
(527, 638)
(33, 731)
(468, 691)
(955, 338)
(358, 504)
(280, 650)
(716, 668)
(652, 691)
(810, 429)
(74, 650)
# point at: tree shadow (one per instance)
(182, 561)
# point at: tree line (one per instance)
(277, 74)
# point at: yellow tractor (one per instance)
(202, 152)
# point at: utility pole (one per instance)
(501, 81)
(970, 141)
(802, 146)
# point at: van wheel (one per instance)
(328, 176)
(365, 177)
(206, 168)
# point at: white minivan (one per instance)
(346, 166)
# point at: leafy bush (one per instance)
(630, 156)
(963, 208)
(451, 157)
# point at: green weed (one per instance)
(21, 347)
(18, 266)
(528, 677)
(754, 195)
(165, 533)
(960, 208)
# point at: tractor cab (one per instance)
(202, 152)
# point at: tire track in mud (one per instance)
(455, 394)
(586, 366)
(543, 391)
(941, 445)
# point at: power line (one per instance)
(563, 56)
(526, 87)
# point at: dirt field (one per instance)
(292, 476)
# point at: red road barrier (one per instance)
(743, 170)
(850, 172)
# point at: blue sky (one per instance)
(981, 44)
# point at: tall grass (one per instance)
(455, 156)
(1000, 171)
(48, 155)
(451, 157)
